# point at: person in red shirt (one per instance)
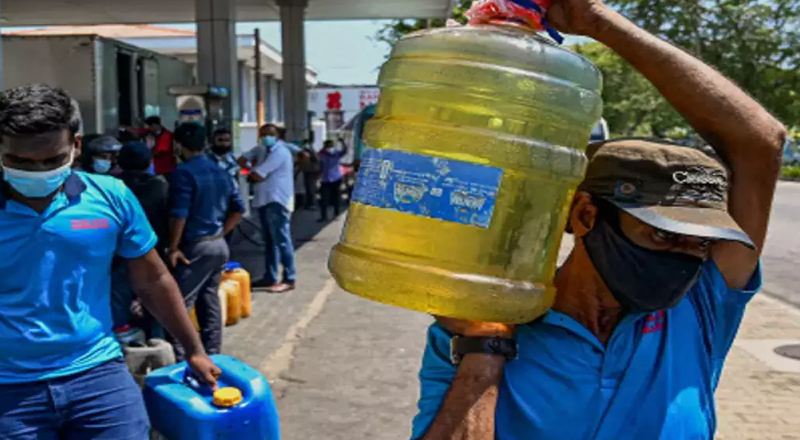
(159, 139)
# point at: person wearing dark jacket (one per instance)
(152, 191)
(135, 159)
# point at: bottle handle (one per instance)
(191, 381)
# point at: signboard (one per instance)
(350, 100)
(368, 97)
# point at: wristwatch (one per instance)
(461, 346)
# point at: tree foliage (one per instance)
(395, 30)
(756, 43)
(632, 106)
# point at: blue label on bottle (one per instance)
(444, 189)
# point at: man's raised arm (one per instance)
(742, 132)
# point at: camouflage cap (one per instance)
(669, 186)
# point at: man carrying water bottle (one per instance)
(62, 375)
(666, 258)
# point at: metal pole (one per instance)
(259, 81)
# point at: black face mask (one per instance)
(221, 151)
(642, 280)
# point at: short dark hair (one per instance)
(36, 109)
(221, 131)
(153, 120)
(135, 156)
(191, 136)
(281, 131)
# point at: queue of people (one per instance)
(191, 210)
(195, 206)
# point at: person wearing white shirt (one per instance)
(272, 172)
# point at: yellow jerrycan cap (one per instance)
(227, 397)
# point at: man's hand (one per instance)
(578, 17)
(244, 163)
(475, 329)
(176, 256)
(254, 178)
(204, 369)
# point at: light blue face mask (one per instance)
(37, 184)
(269, 141)
(101, 166)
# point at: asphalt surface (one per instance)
(341, 367)
(345, 368)
(781, 260)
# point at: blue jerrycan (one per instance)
(243, 407)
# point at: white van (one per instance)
(599, 132)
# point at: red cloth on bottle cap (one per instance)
(504, 11)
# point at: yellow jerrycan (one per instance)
(193, 317)
(233, 293)
(235, 272)
(472, 159)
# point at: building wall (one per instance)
(273, 96)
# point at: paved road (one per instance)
(345, 368)
(782, 253)
(341, 367)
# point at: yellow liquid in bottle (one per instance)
(490, 101)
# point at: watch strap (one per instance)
(461, 346)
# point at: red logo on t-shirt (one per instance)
(101, 223)
(654, 323)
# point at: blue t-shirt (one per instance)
(55, 277)
(654, 380)
(203, 194)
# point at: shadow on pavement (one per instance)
(247, 248)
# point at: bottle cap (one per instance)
(227, 397)
(231, 266)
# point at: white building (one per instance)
(182, 44)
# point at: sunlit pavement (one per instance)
(346, 368)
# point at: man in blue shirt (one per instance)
(206, 206)
(649, 301)
(61, 370)
(275, 204)
(331, 179)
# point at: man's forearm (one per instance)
(159, 294)
(714, 106)
(176, 227)
(468, 412)
(230, 223)
(164, 301)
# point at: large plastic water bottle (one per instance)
(241, 409)
(474, 155)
